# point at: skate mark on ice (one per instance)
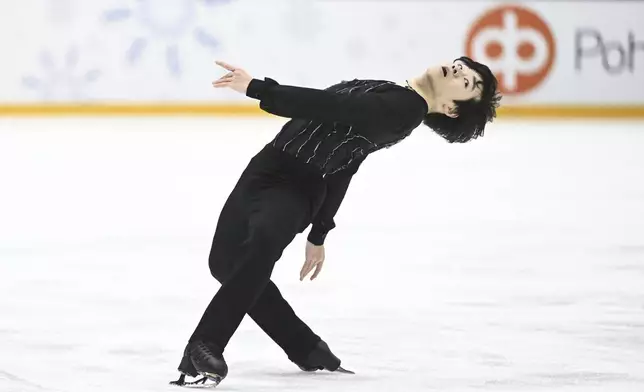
(94, 369)
(622, 325)
(544, 300)
(11, 382)
(551, 380)
(493, 360)
(9, 331)
(296, 374)
(630, 342)
(145, 353)
(634, 249)
(517, 384)
(474, 304)
(576, 378)
(628, 258)
(628, 267)
(57, 347)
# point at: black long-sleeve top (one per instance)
(335, 129)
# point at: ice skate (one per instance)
(201, 359)
(321, 358)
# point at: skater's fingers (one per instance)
(226, 65)
(318, 268)
(229, 75)
(221, 83)
(224, 78)
(306, 268)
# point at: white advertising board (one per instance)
(143, 51)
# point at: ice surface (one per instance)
(513, 263)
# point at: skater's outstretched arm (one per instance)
(309, 103)
(320, 105)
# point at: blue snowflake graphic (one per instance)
(61, 82)
(165, 20)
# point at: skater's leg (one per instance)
(276, 215)
(273, 314)
(278, 320)
(257, 212)
(271, 311)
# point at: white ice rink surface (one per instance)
(513, 263)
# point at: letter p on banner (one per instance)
(516, 44)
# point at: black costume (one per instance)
(297, 179)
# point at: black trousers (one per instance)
(275, 199)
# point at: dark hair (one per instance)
(473, 114)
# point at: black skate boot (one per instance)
(201, 358)
(186, 368)
(208, 360)
(321, 358)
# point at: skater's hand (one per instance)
(236, 79)
(314, 258)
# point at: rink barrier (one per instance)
(244, 110)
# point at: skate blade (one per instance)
(343, 370)
(204, 382)
(213, 377)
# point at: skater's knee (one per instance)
(218, 266)
(217, 273)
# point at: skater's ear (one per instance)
(451, 112)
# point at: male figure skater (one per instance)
(300, 178)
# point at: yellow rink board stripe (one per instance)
(130, 110)
(573, 111)
(175, 109)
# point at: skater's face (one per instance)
(453, 82)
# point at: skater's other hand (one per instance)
(314, 259)
(236, 79)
